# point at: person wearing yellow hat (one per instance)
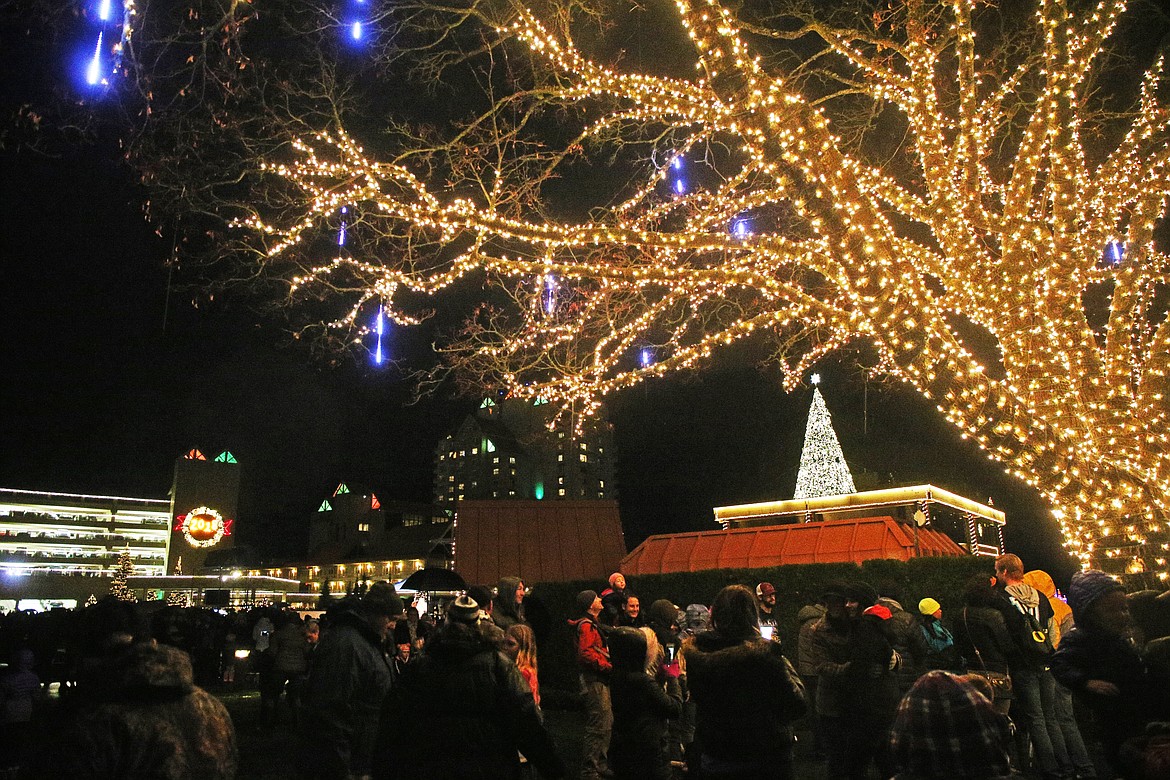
(941, 653)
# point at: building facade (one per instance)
(71, 533)
(510, 449)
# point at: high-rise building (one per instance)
(510, 449)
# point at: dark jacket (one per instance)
(828, 659)
(983, 629)
(592, 655)
(807, 617)
(747, 694)
(1086, 655)
(906, 638)
(870, 656)
(144, 717)
(461, 711)
(641, 706)
(349, 678)
(505, 611)
(612, 602)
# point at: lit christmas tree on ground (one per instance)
(823, 470)
(119, 588)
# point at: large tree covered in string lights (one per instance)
(971, 193)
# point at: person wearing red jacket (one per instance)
(594, 667)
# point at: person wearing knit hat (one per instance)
(1088, 586)
(945, 727)
(1097, 661)
(1074, 759)
(465, 609)
(594, 667)
(940, 642)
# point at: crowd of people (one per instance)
(375, 690)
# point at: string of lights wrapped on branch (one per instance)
(759, 210)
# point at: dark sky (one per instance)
(107, 379)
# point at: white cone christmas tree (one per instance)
(823, 470)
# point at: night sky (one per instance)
(111, 371)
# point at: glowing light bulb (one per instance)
(104, 8)
(356, 31)
(341, 231)
(680, 186)
(93, 73)
(646, 357)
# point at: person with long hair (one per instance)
(520, 646)
(746, 692)
(643, 700)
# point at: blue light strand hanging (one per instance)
(549, 294)
(356, 21)
(341, 230)
(106, 56)
(379, 329)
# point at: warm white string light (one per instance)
(1009, 224)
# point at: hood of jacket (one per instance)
(1025, 594)
(506, 596)
(147, 672)
(454, 642)
(810, 612)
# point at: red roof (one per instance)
(538, 541)
(831, 541)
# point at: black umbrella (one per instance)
(434, 581)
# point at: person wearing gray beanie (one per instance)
(585, 600)
(1098, 662)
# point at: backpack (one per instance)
(1031, 636)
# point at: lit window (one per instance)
(601, 484)
(584, 446)
(450, 477)
(601, 450)
(495, 472)
(460, 496)
(584, 458)
(460, 485)
(560, 480)
(560, 457)
(511, 460)
(475, 450)
(495, 494)
(560, 434)
(560, 491)
(496, 459)
(511, 492)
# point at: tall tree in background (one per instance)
(972, 195)
(119, 587)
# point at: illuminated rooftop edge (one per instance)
(862, 500)
(18, 494)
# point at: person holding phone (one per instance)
(766, 604)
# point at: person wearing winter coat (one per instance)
(1033, 687)
(508, 605)
(827, 658)
(642, 705)
(1067, 741)
(905, 637)
(143, 716)
(594, 667)
(290, 661)
(746, 692)
(940, 642)
(462, 711)
(348, 681)
(981, 634)
(871, 682)
(1098, 662)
